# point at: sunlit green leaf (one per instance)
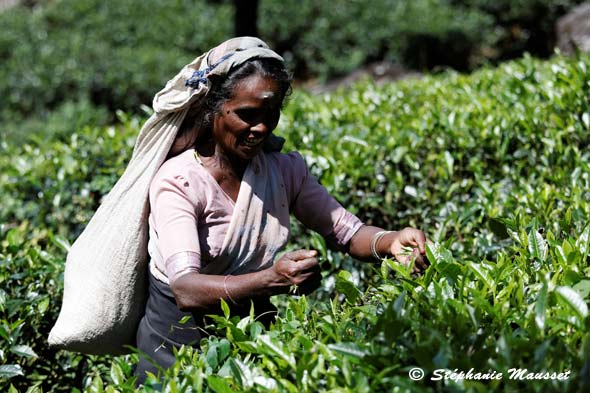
(241, 373)
(117, 374)
(481, 273)
(537, 246)
(218, 384)
(573, 300)
(62, 242)
(10, 370)
(583, 241)
(97, 385)
(24, 350)
(225, 308)
(184, 319)
(541, 306)
(583, 288)
(275, 348)
(349, 349)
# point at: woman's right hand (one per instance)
(299, 268)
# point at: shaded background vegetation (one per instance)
(84, 59)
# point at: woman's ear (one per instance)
(208, 120)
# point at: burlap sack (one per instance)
(105, 274)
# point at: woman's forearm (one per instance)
(360, 244)
(194, 291)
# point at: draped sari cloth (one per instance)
(259, 226)
(105, 273)
(258, 229)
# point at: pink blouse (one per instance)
(190, 213)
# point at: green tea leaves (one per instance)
(350, 350)
(494, 168)
(583, 242)
(219, 384)
(541, 306)
(117, 374)
(10, 370)
(537, 246)
(346, 286)
(24, 350)
(272, 347)
(583, 288)
(481, 273)
(573, 299)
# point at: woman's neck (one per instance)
(217, 160)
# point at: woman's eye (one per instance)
(248, 115)
(254, 116)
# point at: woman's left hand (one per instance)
(414, 239)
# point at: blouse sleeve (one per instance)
(318, 210)
(174, 211)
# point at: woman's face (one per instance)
(247, 119)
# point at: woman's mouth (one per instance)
(252, 142)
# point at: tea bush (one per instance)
(419, 33)
(494, 166)
(112, 54)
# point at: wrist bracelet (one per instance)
(374, 240)
(226, 291)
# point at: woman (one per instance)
(220, 207)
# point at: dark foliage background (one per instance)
(85, 59)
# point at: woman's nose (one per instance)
(260, 127)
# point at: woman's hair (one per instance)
(222, 89)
